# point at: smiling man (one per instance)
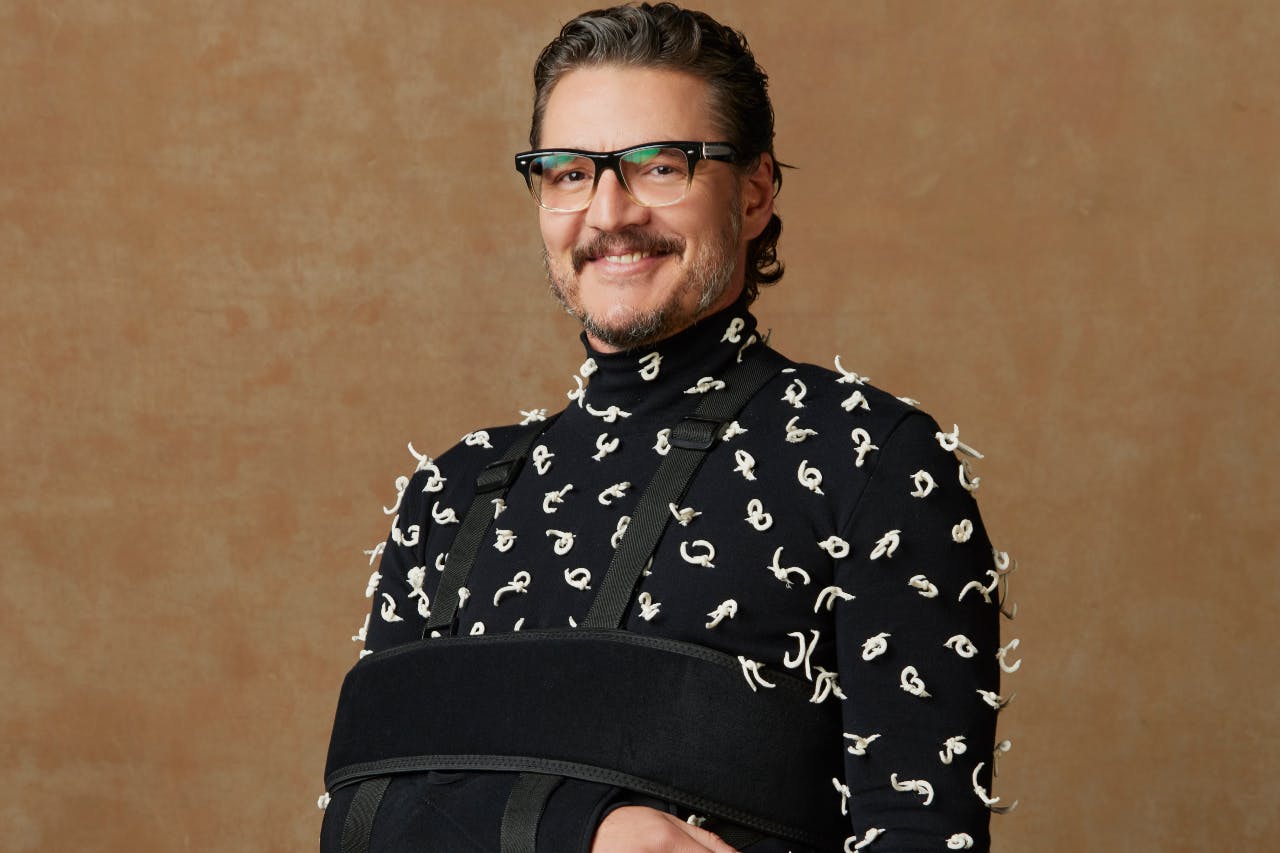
(722, 600)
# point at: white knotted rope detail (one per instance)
(950, 442)
(727, 609)
(504, 540)
(952, 747)
(870, 836)
(751, 672)
(577, 394)
(923, 585)
(733, 430)
(829, 595)
(960, 841)
(605, 446)
(860, 743)
(985, 591)
(796, 434)
(564, 541)
(924, 484)
(995, 700)
(376, 551)
(795, 393)
(363, 634)
(519, 584)
(388, 611)
(663, 444)
(531, 416)
(609, 414)
(554, 497)
(579, 578)
(961, 645)
(825, 685)
(784, 573)
(648, 607)
(401, 484)
(499, 506)
(746, 465)
(988, 800)
(968, 482)
(372, 585)
(856, 400)
(703, 559)
(809, 477)
(861, 445)
(886, 545)
(587, 368)
(835, 546)
(652, 364)
(845, 794)
(542, 457)
(443, 516)
(479, 438)
(962, 531)
(424, 461)
(911, 682)
(848, 377)
(915, 786)
(613, 493)
(803, 652)
(732, 335)
(683, 516)
(463, 595)
(705, 384)
(873, 647)
(1003, 651)
(440, 560)
(757, 517)
(618, 532)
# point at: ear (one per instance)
(757, 197)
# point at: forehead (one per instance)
(611, 107)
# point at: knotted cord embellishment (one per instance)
(856, 400)
(417, 575)
(987, 800)
(873, 647)
(479, 438)
(860, 744)
(961, 645)
(477, 629)
(554, 497)
(795, 393)
(605, 446)
(830, 594)
(401, 483)
(960, 841)
(683, 516)
(921, 583)
(613, 493)
(499, 506)
(825, 685)
(588, 367)
(917, 786)
(950, 442)
(784, 574)
(389, 609)
(375, 552)
(725, 610)
(968, 482)
(757, 517)
(924, 484)
(542, 457)
(962, 531)
(705, 384)
(424, 461)
(1003, 651)
(579, 578)
(751, 672)
(733, 430)
(848, 377)
(363, 634)
(796, 434)
(835, 546)
(861, 445)
(751, 341)
(609, 414)
(886, 545)
(652, 364)
(732, 335)
(532, 416)
(440, 560)
(804, 652)
(443, 516)
(372, 586)
(951, 748)
(648, 607)
(663, 444)
(911, 682)
(505, 539)
(845, 794)
(519, 584)
(577, 394)
(809, 477)
(563, 543)
(699, 559)
(995, 700)
(984, 590)
(746, 464)
(463, 595)
(616, 538)
(435, 482)
(870, 836)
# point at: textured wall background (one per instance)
(249, 249)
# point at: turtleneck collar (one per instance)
(651, 382)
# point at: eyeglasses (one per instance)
(655, 174)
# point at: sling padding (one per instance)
(671, 719)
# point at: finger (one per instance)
(709, 840)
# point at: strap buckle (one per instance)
(695, 433)
(498, 475)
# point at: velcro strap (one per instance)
(674, 720)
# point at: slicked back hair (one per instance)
(665, 36)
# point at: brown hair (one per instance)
(666, 36)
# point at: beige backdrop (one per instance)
(250, 249)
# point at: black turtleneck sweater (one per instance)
(832, 535)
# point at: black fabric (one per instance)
(524, 809)
(606, 706)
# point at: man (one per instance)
(824, 550)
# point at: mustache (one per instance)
(624, 243)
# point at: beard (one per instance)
(706, 273)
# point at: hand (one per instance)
(640, 829)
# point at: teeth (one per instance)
(629, 258)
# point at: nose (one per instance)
(612, 209)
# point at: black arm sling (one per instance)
(662, 717)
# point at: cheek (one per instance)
(558, 231)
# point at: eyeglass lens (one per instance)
(653, 177)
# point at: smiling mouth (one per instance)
(630, 258)
(625, 250)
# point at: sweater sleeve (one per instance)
(917, 651)
(401, 586)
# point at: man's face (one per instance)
(632, 274)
